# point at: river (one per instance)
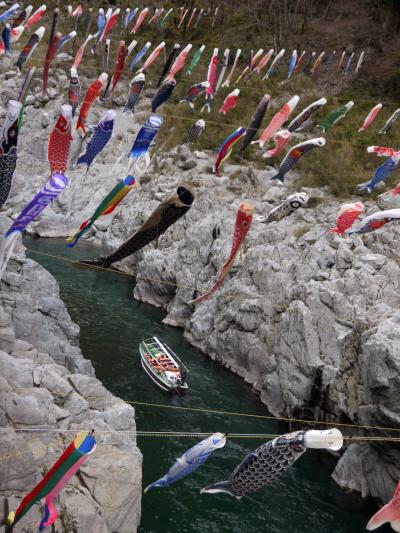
(112, 324)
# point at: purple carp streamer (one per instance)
(166, 214)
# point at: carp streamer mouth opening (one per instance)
(185, 195)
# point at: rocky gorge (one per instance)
(307, 318)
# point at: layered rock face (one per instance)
(306, 317)
(48, 392)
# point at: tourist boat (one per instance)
(162, 365)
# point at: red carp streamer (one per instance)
(243, 220)
(91, 95)
(51, 54)
(119, 65)
(348, 214)
(60, 141)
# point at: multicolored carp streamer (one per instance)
(274, 64)
(292, 63)
(6, 38)
(30, 47)
(107, 206)
(50, 55)
(135, 90)
(162, 94)
(10, 11)
(139, 158)
(195, 131)
(302, 117)
(152, 57)
(211, 76)
(286, 208)
(381, 173)
(131, 16)
(265, 464)
(347, 215)
(156, 16)
(60, 141)
(229, 102)
(389, 123)
(92, 93)
(179, 62)
(280, 138)
(194, 92)
(263, 61)
(376, 221)
(8, 149)
(389, 513)
(54, 481)
(226, 148)
(166, 214)
(295, 154)
(243, 221)
(336, 116)
(195, 60)
(65, 39)
(382, 151)
(81, 50)
(300, 61)
(221, 69)
(20, 19)
(233, 68)
(168, 63)
(102, 133)
(74, 90)
(110, 23)
(190, 461)
(280, 118)
(143, 14)
(139, 55)
(370, 117)
(119, 66)
(255, 122)
(36, 16)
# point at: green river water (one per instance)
(112, 324)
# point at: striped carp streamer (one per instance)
(21, 18)
(60, 141)
(195, 60)
(229, 102)
(139, 158)
(305, 115)
(194, 92)
(81, 50)
(152, 57)
(211, 77)
(106, 207)
(40, 201)
(92, 93)
(370, 117)
(102, 133)
(389, 123)
(264, 465)
(55, 480)
(195, 131)
(382, 151)
(295, 153)
(222, 66)
(162, 94)
(336, 116)
(375, 221)
(286, 208)
(74, 90)
(35, 17)
(135, 90)
(179, 62)
(244, 217)
(233, 68)
(8, 149)
(389, 513)
(168, 63)
(381, 173)
(142, 15)
(255, 122)
(166, 214)
(190, 461)
(274, 64)
(279, 118)
(30, 47)
(280, 138)
(226, 148)
(346, 217)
